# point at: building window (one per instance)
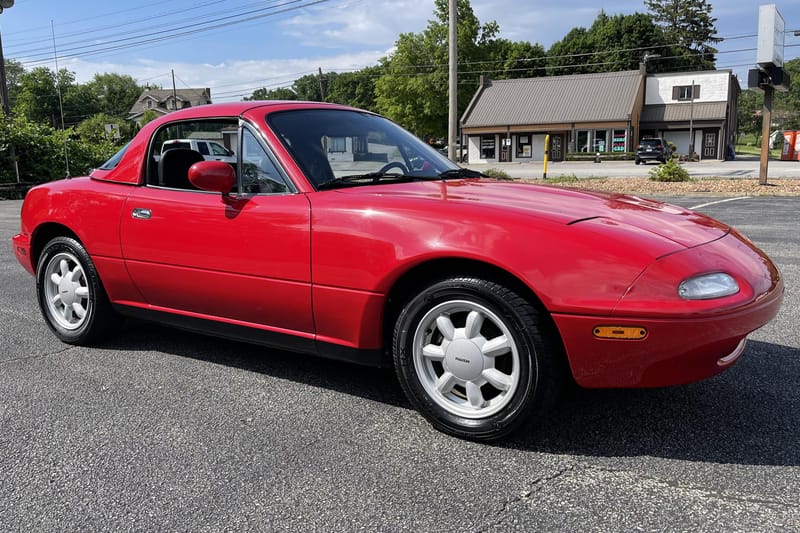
(337, 144)
(524, 146)
(600, 141)
(685, 92)
(582, 144)
(149, 104)
(618, 141)
(487, 147)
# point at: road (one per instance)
(742, 168)
(170, 431)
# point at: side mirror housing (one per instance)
(214, 176)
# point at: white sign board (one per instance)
(770, 36)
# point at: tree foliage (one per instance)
(413, 88)
(689, 27)
(40, 151)
(115, 94)
(612, 43)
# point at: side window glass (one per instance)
(259, 173)
(217, 149)
(176, 146)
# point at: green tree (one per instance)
(148, 116)
(37, 96)
(93, 129)
(281, 93)
(612, 43)
(748, 114)
(786, 105)
(14, 70)
(307, 88)
(513, 59)
(689, 27)
(413, 87)
(355, 89)
(115, 93)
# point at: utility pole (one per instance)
(766, 121)
(60, 100)
(452, 123)
(321, 87)
(174, 92)
(4, 95)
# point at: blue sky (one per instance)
(272, 42)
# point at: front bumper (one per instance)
(686, 341)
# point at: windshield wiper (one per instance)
(461, 173)
(354, 179)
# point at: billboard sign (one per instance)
(771, 28)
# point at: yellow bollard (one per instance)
(546, 151)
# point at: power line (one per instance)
(186, 30)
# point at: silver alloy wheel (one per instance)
(466, 359)
(66, 291)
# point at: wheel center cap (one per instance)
(464, 359)
(66, 289)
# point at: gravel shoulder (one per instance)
(715, 186)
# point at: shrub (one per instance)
(669, 171)
(497, 174)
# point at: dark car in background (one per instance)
(653, 149)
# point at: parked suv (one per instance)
(653, 148)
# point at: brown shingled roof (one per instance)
(600, 97)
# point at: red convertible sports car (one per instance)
(337, 233)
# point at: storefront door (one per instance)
(556, 148)
(710, 145)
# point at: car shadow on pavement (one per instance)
(748, 415)
(378, 384)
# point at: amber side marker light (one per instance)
(619, 332)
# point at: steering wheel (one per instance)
(394, 164)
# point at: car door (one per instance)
(242, 258)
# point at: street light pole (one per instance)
(5, 4)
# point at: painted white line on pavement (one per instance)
(719, 202)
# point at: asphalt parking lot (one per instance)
(166, 430)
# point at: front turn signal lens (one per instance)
(708, 286)
(620, 332)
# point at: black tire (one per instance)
(71, 296)
(448, 390)
(637, 161)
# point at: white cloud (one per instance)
(228, 80)
(358, 22)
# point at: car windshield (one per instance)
(342, 148)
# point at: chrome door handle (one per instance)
(141, 212)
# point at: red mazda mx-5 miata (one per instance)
(335, 232)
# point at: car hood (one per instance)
(562, 205)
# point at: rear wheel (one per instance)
(71, 296)
(475, 358)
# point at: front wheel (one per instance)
(71, 296)
(475, 358)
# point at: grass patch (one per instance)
(497, 174)
(746, 149)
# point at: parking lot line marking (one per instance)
(700, 206)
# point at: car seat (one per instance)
(173, 168)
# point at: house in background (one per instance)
(162, 101)
(701, 103)
(507, 120)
